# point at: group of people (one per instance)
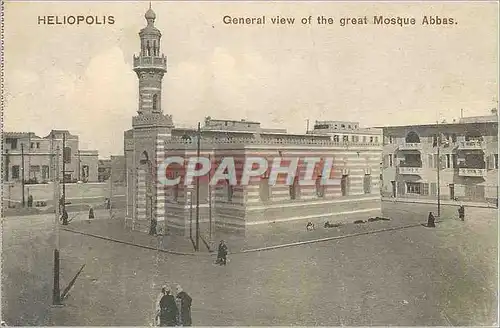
(431, 220)
(173, 310)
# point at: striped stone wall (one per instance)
(141, 223)
(249, 206)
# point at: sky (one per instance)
(80, 78)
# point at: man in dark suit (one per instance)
(185, 307)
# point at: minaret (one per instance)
(150, 66)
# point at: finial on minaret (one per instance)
(150, 15)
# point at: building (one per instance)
(154, 136)
(467, 153)
(104, 170)
(32, 157)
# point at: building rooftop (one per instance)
(492, 118)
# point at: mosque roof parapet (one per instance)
(253, 141)
(152, 119)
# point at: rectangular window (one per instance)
(67, 155)
(425, 189)
(32, 145)
(454, 160)
(45, 172)
(433, 189)
(413, 188)
(367, 184)
(364, 138)
(371, 139)
(376, 139)
(430, 160)
(12, 142)
(496, 161)
(15, 172)
(38, 145)
(390, 160)
(336, 138)
(35, 168)
(448, 161)
(353, 138)
(345, 138)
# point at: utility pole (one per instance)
(56, 295)
(22, 174)
(79, 166)
(210, 200)
(111, 195)
(438, 170)
(198, 192)
(190, 198)
(64, 174)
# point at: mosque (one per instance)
(356, 152)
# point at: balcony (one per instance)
(150, 61)
(466, 172)
(470, 145)
(408, 170)
(410, 146)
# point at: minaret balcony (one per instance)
(150, 62)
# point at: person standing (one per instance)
(91, 213)
(185, 307)
(461, 212)
(431, 220)
(64, 217)
(222, 253)
(30, 200)
(168, 309)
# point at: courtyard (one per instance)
(410, 276)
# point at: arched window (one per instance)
(144, 158)
(320, 187)
(264, 188)
(155, 102)
(294, 189)
(148, 48)
(412, 137)
(344, 185)
(230, 191)
(367, 184)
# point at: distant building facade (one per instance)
(154, 136)
(467, 162)
(39, 160)
(104, 170)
